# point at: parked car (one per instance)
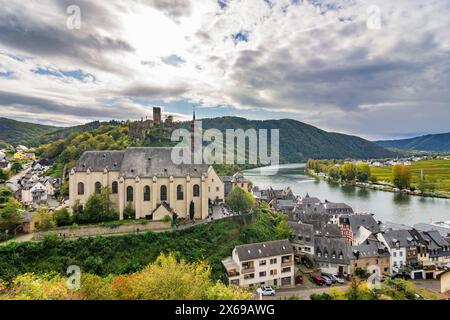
(267, 291)
(318, 280)
(381, 278)
(404, 276)
(327, 280)
(329, 276)
(340, 280)
(299, 279)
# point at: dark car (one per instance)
(318, 280)
(403, 276)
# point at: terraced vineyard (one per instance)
(435, 171)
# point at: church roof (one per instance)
(99, 160)
(139, 162)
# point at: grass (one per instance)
(437, 171)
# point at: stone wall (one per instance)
(92, 231)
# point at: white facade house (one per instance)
(35, 194)
(396, 246)
(266, 263)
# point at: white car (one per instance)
(340, 280)
(267, 291)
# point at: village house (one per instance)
(21, 155)
(267, 263)
(433, 252)
(444, 280)
(237, 180)
(357, 228)
(302, 239)
(146, 178)
(371, 256)
(331, 255)
(34, 193)
(402, 248)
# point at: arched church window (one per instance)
(196, 190)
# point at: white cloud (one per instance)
(318, 61)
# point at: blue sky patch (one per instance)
(241, 36)
(75, 74)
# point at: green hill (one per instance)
(17, 132)
(300, 142)
(431, 142)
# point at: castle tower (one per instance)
(156, 115)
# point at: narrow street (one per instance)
(20, 175)
(301, 292)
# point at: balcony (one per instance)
(247, 270)
(287, 263)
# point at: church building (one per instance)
(149, 180)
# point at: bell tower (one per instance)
(193, 130)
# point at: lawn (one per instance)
(437, 171)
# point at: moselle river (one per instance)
(386, 206)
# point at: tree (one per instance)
(333, 173)
(192, 210)
(62, 217)
(401, 176)
(169, 279)
(16, 167)
(348, 172)
(5, 194)
(363, 172)
(99, 208)
(129, 213)
(44, 220)
(239, 200)
(10, 216)
(4, 175)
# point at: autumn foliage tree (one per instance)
(165, 279)
(401, 176)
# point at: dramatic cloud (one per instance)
(332, 63)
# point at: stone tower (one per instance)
(156, 115)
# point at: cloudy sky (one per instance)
(377, 68)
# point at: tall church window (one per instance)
(180, 193)
(115, 188)
(80, 188)
(146, 193)
(98, 187)
(196, 190)
(163, 193)
(130, 195)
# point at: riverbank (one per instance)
(379, 186)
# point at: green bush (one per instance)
(121, 254)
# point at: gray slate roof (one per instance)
(403, 237)
(367, 250)
(365, 220)
(264, 250)
(149, 162)
(139, 162)
(330, 246)
(99, 160)
(302, 233)
(428, 227)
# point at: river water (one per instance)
(386, 206)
